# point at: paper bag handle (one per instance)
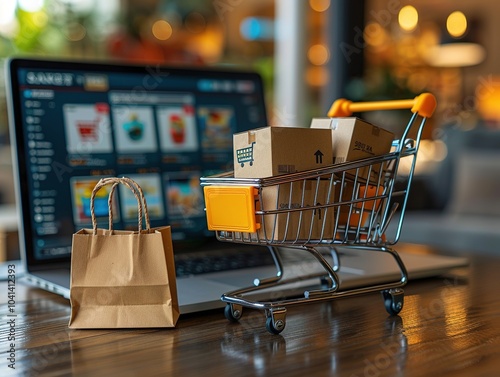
(136, 190)
(142, 200)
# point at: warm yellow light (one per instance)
(319, 5)
(162, 30)
(432, 151)
(456, 55)
(374, 34)
(456, 24)
(408, 18)
(317, 76)
(318, 54)
(208, 44)
(487, 97)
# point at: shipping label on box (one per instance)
(271, 151)
(354, 139)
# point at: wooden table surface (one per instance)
(449, 326)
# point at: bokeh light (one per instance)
(162, 30)
(7, 12)
(408, 18)
(319, 5)
(29, 5)
(317, 76)
(375, 35)
(318, 54)
(76, 32)
(456, 24)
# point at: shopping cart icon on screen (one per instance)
(245, 155)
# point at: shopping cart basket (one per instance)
(346, 205)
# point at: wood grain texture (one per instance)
(449, 326)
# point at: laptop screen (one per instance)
(74, 123)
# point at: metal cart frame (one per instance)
(348, 205)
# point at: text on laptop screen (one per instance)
(163, 128)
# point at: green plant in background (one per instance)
(32, 25)
(56, 28)
(28, 30)
(20, 32)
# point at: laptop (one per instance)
(72, 123)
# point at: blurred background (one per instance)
(311, 52)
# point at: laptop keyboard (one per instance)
(195, 263)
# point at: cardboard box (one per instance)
(361, 211)
(303, 223)
(271, 151)
(354, 139)
(315, 224)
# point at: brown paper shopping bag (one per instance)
(123, 279)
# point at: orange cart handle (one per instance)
(424, 105)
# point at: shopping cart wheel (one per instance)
(233, 313)
(276, 321)
(393, 300)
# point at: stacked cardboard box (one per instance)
(296, 221)
(354, 139)
(272, 151)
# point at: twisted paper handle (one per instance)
(142, 208)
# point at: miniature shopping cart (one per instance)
(346, 205)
